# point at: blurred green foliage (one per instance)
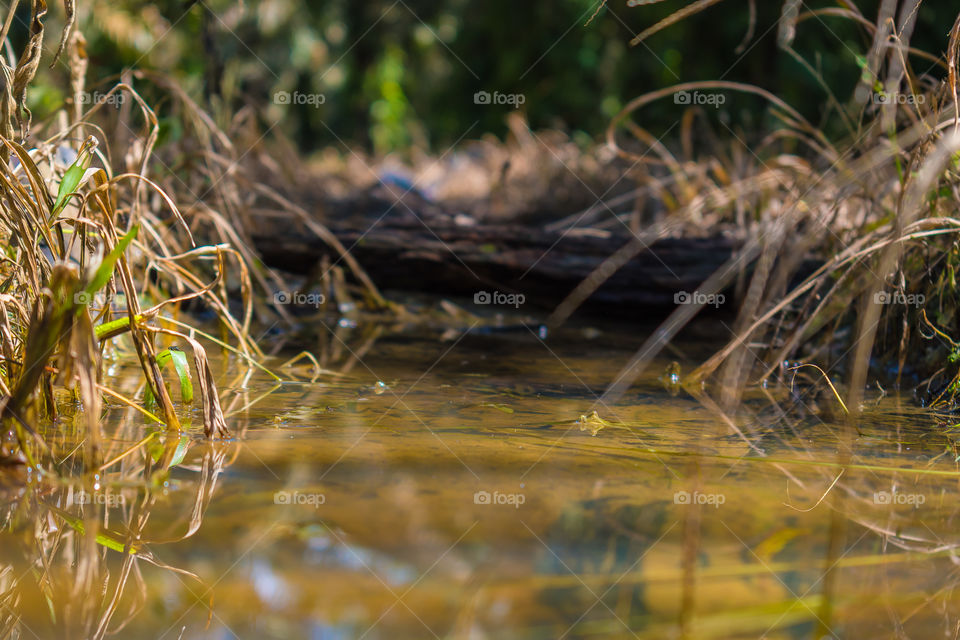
(389, 74)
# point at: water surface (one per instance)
(428, 486)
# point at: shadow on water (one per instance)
(408, 487)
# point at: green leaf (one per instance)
(105, 270)
(71, 180)
(179, 359)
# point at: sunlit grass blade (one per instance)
(182, 367)
(72, 177)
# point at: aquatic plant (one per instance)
(98, 258)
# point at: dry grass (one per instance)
(530, 176)
(98, 255)
(877, 207)
(111, 245)
(100, 260)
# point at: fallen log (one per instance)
(441, 255)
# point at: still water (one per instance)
(428, 485)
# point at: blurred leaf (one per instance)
(106, 538)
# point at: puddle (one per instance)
(451, 489)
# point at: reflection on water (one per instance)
(463, 488)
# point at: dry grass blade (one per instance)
(28, 64)
(214, 424)
(751, 27)
(70, 10)
(833, 389)
(50, 320)
(953, 48)
(884, 27)
(787, 29)
(673, 18)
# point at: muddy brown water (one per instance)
(447, 488)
